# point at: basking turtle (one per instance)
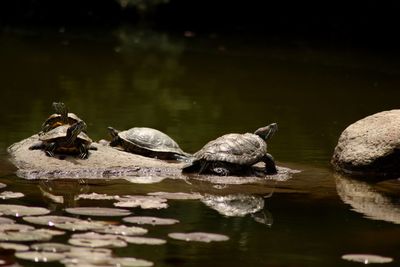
(233, 153)
(60, 117)
(67, 139)
(147, 142)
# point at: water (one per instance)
(196, 89)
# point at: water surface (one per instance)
(196, 89)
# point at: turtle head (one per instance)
(74, 130)
(267, 132)
(61, 108)
(114, 135)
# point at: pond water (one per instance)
(196, 87)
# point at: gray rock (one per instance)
(105, 162)
(370, 147)
(108, 162)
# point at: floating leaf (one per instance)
(2, 185)
(150, 220)
(51, 247)
(144, 179)
(139, 240)
(131, 262)
(14, 246)
(19, 210)
(95, 243)
(122, 230)
(199, 237)
(4, 220)
(366, 258)
(39, 256)
(50, 220)
(98, 211)
(9, 194)
(176, 195)
(96, 196)
(15, 227)
(145, 202)
(82, 225)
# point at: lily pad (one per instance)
(14, 246)
(19, 210)
(122, 230)
(96, 196)
(366, 258)
(82, 225)
(9, 194)
(144, 179)
(96, 243)
(50, 220)
(4, 220)
(139, 240)
(98, 211)
(15, 227)
(51, 247)
(2, 185)
(150, 220)
(144, 202)
(176, 195)
(199, 237)
(131, 262)
(39, 256)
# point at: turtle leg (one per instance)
(38, 145)
(83, 151)
(92, 147)
(50, 148)
(270, 167)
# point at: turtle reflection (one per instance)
(239, 205)
(64, 192)
(365, 198)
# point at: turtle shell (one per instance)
(55, 120)
(61, 132)
(242, 149)
(149, 139)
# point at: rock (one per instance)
(370, 147)
(105, 162)
(108, 162)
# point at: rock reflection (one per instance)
(365, 198)
(239, 205)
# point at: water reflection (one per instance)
(239, 205)
(368, 200)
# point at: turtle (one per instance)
(147, 142)
(60, 117)
(69, 139)
(234, 154)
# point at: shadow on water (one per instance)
(195, 89)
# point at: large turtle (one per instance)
(60, 117)
(233, 154)
(147, 142)
(68, 139)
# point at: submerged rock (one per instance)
(370, 147)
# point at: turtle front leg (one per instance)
(50, 148)
(270, 167)
(83, 151)
(38, 145)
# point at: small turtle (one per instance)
(67, 139)
(233, 154)
(147, 142)
(61, 117)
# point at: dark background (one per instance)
(372, 24)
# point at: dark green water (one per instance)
(196, 89)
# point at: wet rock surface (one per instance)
(370, 147)
(108, 162)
